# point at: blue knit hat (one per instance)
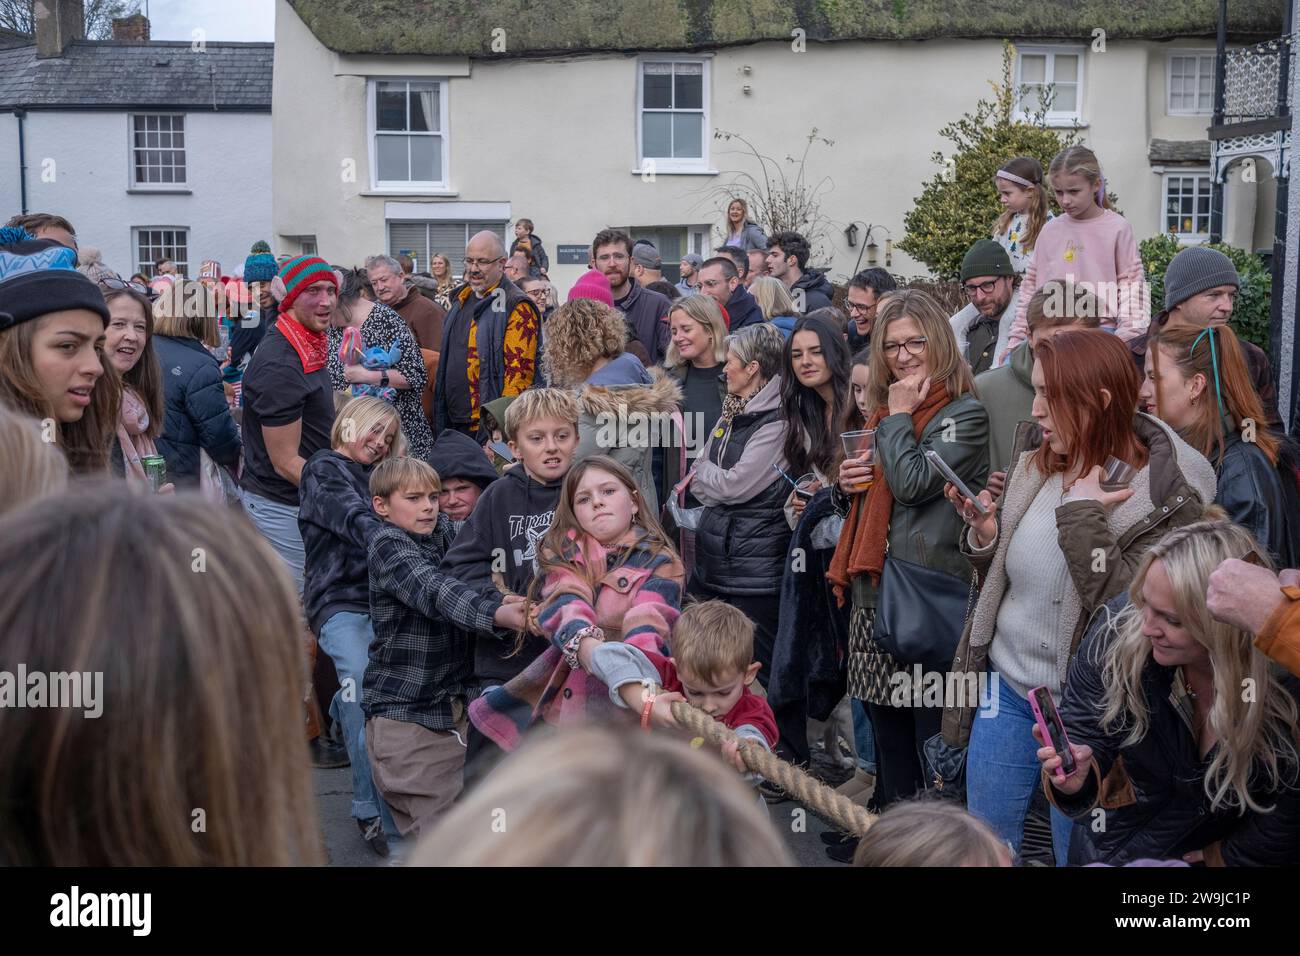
(260, 265)
(39, 276)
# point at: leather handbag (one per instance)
(946, 767)
(920, 613)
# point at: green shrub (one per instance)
(1250, 315)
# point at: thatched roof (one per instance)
(541, 27)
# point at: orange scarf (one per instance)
(861, 548)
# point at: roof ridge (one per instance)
(155, 44)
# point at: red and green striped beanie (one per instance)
(297, 274)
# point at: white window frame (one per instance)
(679, 165)
(146, 268)
(697, 241)
(414, 186)
(132, 178)
(1169, 80)
(1201, 172)
(1054, 117)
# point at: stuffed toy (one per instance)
(374, 359)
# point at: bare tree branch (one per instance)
(18, 15)
(780, 199)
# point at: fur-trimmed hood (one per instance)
(663, 395)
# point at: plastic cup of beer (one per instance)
(860, 444)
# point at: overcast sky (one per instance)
(221, 19)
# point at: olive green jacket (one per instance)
(1102, 549)
(924, 528)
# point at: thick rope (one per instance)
(833, 807)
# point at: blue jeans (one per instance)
(1002, 769)
(346, 638)
(864, 737)
(278, 524)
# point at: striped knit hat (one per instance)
(296, 275)
(260, 264)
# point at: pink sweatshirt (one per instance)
(1100, 254)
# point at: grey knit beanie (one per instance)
(1194, 270)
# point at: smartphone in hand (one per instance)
(941, 466)
(1052, 729)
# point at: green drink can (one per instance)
(155, 468)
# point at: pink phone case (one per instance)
(1043, 728)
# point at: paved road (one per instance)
(345, 847)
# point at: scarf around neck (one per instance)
(861, 548)
(312, 347)
(132, 424)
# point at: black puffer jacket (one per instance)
(1250, 490)
(198, 416)
(740, 545)
(1153, 799)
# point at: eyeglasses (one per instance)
(860, 308)
(482, 263)
(984, 288)
(612, 257)
(913, 347)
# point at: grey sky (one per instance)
(220, 19)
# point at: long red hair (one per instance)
(1231, 392)
(1077, 365)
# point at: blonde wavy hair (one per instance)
(1257, 734)
(595, 796)
(579, 334)
(703, 310)
(772, 297)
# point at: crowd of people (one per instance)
(1035, 558)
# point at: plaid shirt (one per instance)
(421, 667)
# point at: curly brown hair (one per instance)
(578, 335)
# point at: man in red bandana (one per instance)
(288, 403)
(288, 414)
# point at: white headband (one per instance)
(1003, 174)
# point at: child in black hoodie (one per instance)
(496, 549)
(464, 470)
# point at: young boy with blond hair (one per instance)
(420, 678)
(711, 667)
(496, 550)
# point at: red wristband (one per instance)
(645, 710)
